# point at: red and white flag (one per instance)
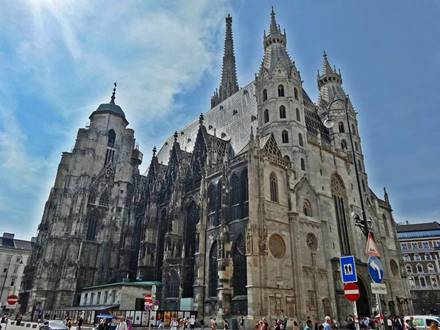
(371, 248)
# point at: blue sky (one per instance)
(58, 61)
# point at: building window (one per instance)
(343, 144)
(235, 196)
(104, 200)
(307, 208)
(282, 112)
(264, 95)
(173, 285)
(273, 187)
(280, 90)
(300, 140)
(341, 127)
(303, 164)
(411, 281)
(419, 268)
(340, 202)
(295, 91)
(285, 136)
(356, 146)
(239, 277)
(431, 268)
(298, 115)
(434, 282)
(353, 129)
(244, 193)
(406, 257)
(404, 246)
(213, 271)
(408, 269)
(417, 257)
(91, 225)
(266, 116)
(422, 282)
(111, 138)
(191, 220)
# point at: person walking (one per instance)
(308, 325)
(80, 322)
(213, 324)
(174, 324)
(328, 323)
(122, 325)
(225, 324)
(241, 324)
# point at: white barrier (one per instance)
(24, 325)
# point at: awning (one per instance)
(89, 308)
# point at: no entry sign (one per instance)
(12, 299)
(351, 291)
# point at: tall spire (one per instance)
(112, 100)
(326, 67)
(274, 27)
(228, 85)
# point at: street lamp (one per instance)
(329, 123)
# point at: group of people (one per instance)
(184, 323)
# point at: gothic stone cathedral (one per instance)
(245, 211)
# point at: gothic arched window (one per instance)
(353, 129)
(282, 112)
(273, 187)
(104, 200)
(408, 269)
(266, 116)
(111, 138)
(341, 127)
(244, 193)
(280, 90)
(303, 164)
(92, 196)
(339, 200)
(356, 146)
(431, 268)
(191, 220)
(92, 223)
(307, 208)
(419, 268)
(285, 136)
(298, 115)
(343, 144)
(264, 95)
(239, 277)
(295, 92)
(235, 196)
(300, 139)
(173, 284)
(213, 271)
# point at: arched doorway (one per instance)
(363, 304)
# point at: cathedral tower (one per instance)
(228, 85)
(88, 233)
(279, 97)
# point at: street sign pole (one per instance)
(355, 315)
(379, 305)
(149, 318)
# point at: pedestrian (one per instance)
(308, 325)
(407, 325)
(242, 323)
(122, 325)
(161, 325)
(129, 324)
(213, 324)
(328, 323)
(174, 324)
(80, 322)
(192, 322)
(69, 323)
(225, 324)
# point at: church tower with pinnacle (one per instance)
(228, 84)
(280, 104)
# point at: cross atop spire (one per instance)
(228, 85)
(112, 100)
(274, 27)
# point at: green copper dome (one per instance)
(111, 108)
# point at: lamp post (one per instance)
(329, 123)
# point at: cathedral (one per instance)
(244, 211)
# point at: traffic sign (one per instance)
(348, 269)
(375, 269)
(12, 299)
(378, 288)
(371, 248)
(351, 291)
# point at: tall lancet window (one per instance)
(213, 271)
(340, 204)
(280, 90)
(239, 278)
(92, 223)
(110, 153)
(191, 220)
(273, 187)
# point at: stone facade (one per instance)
(243, 212)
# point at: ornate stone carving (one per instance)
(277, 246)
(312, 241)
(262, 237)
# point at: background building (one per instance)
(420, 244)
(14, 254)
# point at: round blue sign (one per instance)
(375, 269)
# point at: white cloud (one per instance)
(69, 52)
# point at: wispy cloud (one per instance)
(66, 54)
